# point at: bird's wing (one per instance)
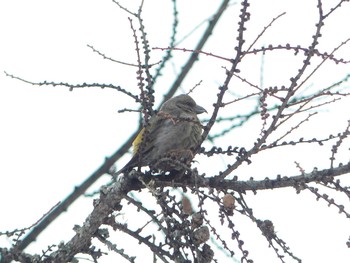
(148, 135)
(144, 143)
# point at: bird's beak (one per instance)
(198, 109)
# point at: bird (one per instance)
(169, 137)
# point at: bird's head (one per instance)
(182, 105)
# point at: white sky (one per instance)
(52, 139)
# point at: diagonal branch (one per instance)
(194, 56)
(78, 191)
(109, 201)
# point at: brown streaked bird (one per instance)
(174, 132)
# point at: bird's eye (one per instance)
(186, 106)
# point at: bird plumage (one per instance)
(173, 132)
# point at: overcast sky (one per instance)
(51, 139)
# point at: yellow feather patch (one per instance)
(137, 141)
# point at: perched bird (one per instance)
(173, 132)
